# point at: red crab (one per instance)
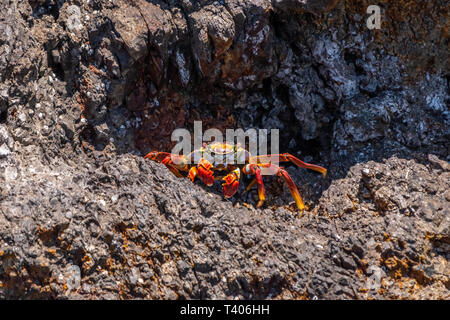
(202, 163)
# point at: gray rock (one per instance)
(4, 151)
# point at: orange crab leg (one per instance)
(254, 169)
(250, 185)
(173, 162)
(292, 188)
(286, 157)
(160, 156)
(192, 173)
(274, 169)
(169, 164)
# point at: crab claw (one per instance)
(193, 172)
(231, 184)
(205, 173)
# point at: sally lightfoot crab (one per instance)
(227, 161)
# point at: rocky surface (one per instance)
(88, 87)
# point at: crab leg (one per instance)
(173, 162)
(254, 169)
(279, 171)
(193, 172)
(292, 188)
(250, 185)
(286, 157)
(268, 169)
(231, 184)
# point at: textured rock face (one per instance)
(88, 87)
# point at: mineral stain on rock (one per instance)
(88, 87)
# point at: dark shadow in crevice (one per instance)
(56, 67)
(4, 116)
(48, 7)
